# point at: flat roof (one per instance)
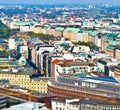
(17, 71)
(42, 79)
(23, 23)
(76, 30)
(69, 64)
(28, 106)
(99, 79)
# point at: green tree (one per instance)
(5, 31)
(83, 43)
(41, 35)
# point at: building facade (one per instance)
(25, 81)
(98, 88)
(3, 101)
(82, 104)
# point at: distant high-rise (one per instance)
(117, 13)
(92, 11)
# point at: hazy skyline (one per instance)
(115, 2)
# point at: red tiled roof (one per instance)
(64, 62)
(67, 61)
(56, 61)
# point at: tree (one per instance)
(41, 35)
(83, 43)
(6, 32)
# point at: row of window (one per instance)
(15, 75)
(85, 89)
(92, 107)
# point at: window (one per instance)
(60, 108)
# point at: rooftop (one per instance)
(111, 47)
(23, 23)
(42, 79)
(114, 42)
(71, 63)
(104, 80)
(90, 101)
(59, 28)
(18, 70)
(56, 61)
(28, 106)
(76, 30)
(93, 33)
(99, 79)
(112, 35)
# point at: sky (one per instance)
(60, 1)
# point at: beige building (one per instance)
(117, 53)
(86, 37)
(70, 35)
(49, 31)
(55, 33)
(24, 81)
(104, 23)
(110, 50)
(38, 30)
(117, 73)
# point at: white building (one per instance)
(75, 67)
(105, 63)
(28, 106)
(93, 56)
(82, 48)
(12, 44)
(26, 28)
(24, 51)
(65, 104)
(83, 104)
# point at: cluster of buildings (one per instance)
(98, 88)
(61, 68)
(103, 32)
(80, 77)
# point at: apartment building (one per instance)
(24, 80)
(117, 72)
(71, 33)
(78, 67)
(105, 63)
(24, 51)
(110, 50)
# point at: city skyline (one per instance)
(60, 2)
(60, 55)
